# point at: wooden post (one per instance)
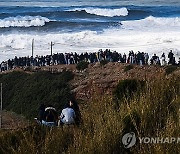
(1, 109)
(51, 48)
(32, 47)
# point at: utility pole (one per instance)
(52, 61)
(1, 109)
(32, 47)
(51, 48)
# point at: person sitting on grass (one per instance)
(68, 115)
(50, 116)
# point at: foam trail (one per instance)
(25, 21)
(104, 12)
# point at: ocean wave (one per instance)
(88, 41)
(23, 21)
(104, 12)
(152, 22)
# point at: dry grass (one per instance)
(153, 113)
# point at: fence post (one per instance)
(51, 48)
(32, 47)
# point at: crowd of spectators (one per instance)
(139, 58)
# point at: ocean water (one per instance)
(151, 26)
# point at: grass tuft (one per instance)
(170, 69)
(128, 67)
(82, 65)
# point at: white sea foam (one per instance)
(104, 12)
(151, 22)
(135, 35)
(23, 21)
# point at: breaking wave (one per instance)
(23, 21)
(104, 12)
(152, 22)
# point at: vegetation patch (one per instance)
(128, 67)
(149, 109)
(126, 88)
(82, 65)
(103, 62)
(170, 69)
(23, 93)
(155, 113)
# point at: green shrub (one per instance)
(82, 65)
(103, 62)
(126, 88)
(23, 93)
(128, 67)
(170, 69)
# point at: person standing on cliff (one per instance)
(163, 57)
(170, 56)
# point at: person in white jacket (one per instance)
(68, 114)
